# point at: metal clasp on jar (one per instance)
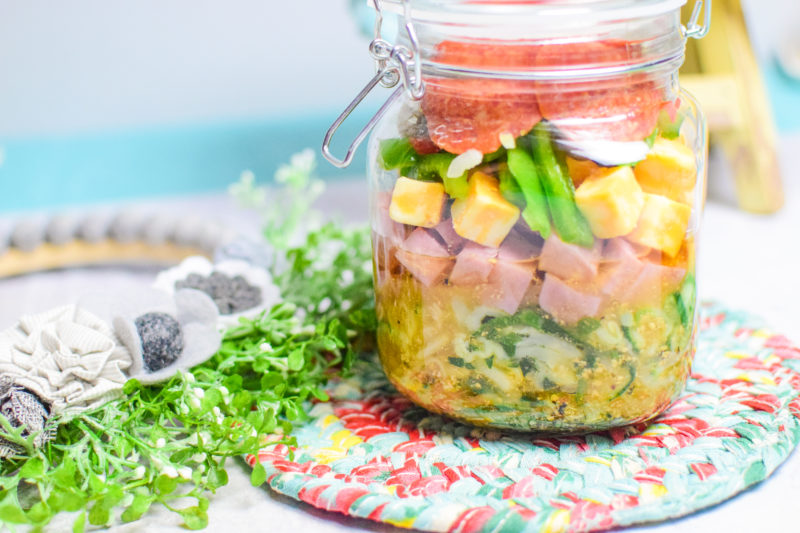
(694, 30)
(393, 63)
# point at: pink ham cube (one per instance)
(428, 270)
(517, 247)
(473, 264)
(653, 283)
(424, 257)
(422, 242)
(619, 249)
(452, 240)
(617, 277)
(508, 284)
(566, 304)
(569, 261)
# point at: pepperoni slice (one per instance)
(468, 113)
(619, 108)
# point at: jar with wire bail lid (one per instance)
(536, 181)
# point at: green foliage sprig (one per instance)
(171, 443)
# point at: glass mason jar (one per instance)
(535, 206)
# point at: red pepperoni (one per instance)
(423, 145)
(464, 114)
(619, 109)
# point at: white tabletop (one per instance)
(747, 261)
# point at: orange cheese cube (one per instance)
(662, 225)
(484, 216)
(417, 203)
(580, 169)
(611, 200)
(670, 169)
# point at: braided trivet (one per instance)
(371, 453)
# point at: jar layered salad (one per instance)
(534, 245)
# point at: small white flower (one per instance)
(194, 402)
(161, 442)
(324, 305)
(266, 347)
(200, 393)
(216, 411)
(185, 472)
(346, 305)
(199, 457)
(347, 277)
(138, 473)
(201, 468)
(224, 390)
(170, 471)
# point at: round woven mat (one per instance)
(370, 453)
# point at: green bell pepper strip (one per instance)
(569, 222)
(509, 188)
(436, 165)
(397, 153)
(523, 168)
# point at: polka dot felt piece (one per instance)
(371, 453)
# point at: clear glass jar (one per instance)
(535, 214)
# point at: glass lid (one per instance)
(526, 12)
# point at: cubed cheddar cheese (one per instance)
(580, 169)
(417, 203)
(484, 216)
(670, 170)
(612, 201)
(662, 225)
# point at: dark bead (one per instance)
(162, 340)
(231, 294)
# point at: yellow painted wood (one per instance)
(722, 72)
(80, 253)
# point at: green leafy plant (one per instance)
(172, 443)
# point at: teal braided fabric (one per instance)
(370, 453)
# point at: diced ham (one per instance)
(619, 248)
(473, 264)
(424, 257)
(516, 247)
(616, 278)
(508, 284)
(452, 240)
(653, 283)
(565, 303)
(422, 242)
(428, 270)
(569, 261)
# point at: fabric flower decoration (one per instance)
(23, 408)
(166, 333)
(67, 357)
(238, 288)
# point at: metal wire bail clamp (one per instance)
(393, 63)
(694, 30)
